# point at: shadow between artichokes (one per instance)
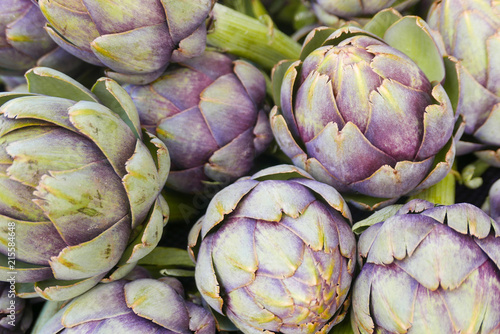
(275, 253)
(365, 110)
(80, 184)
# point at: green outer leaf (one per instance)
(277, 75)
(48, 311)
(411, 35)
(177, 272)
(451, 82)
(167, 257)
(46, 81)
(57, 290)
(7, 96)
(314, 40)
(150, 236)
(142, 183)
(379, 24)
(377, 217)
(113, 96)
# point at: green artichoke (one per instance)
(429, 269)
(25, 44)
(145, 306)
(361, 116)
(135, 39)
(470, 30)
(79, 189)
(276, 253)
(209, 111)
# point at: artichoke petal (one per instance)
(56, 290)
(113, 96)
(33, 251)
(46, 81)
(77, 197)
(105, 128)
(142, 296)
(93, 257)
(148, 48)
(142, 183)
(25, 272)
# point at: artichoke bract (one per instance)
(276, 253)
(145, 306)
(429, 269)
(361, 116)
(470, 31)
(25, 44)
(80, 185)
(135, 39)
(209, 111)
(331, 11)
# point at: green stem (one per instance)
(471, 174)
(244, 36)
(442, 192)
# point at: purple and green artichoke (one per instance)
(81, 183)
(16, 314)
(275, 253)
(330, 12)
(360, 115)
(471, 33)
(209, 111)
(25, 44)
(145, 306)
(136, 40)
(429, 269)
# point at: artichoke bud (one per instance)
(275, 253)
(76, 180)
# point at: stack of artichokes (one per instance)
(249, 166)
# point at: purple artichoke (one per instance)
(145, 306)
(471, 33)
(25, 44)
(277, 253)
(209, 112)
(362, 116)
(135, 39)
(429, 269)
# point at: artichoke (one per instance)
(145, 306)
(429, 269)
(209, 111)
(78, 185)
(470, 30)
(135, 39)
(15, 313)
(276, 253)
(361, 116)
(24, 43)
(331, 11)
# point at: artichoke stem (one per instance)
(442, 193)
(471, 174)
(247, 37)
